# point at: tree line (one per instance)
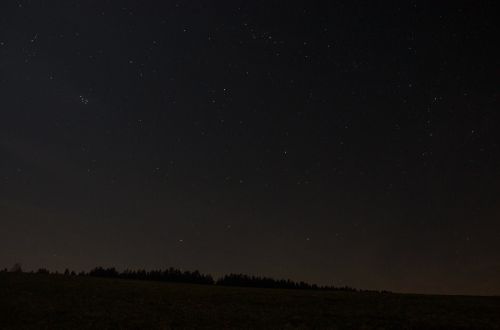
(167, 275)
(195, 277)
(268, 282)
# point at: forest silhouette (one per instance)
(194, 277)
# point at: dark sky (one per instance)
(337, 142)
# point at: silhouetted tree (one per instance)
(42, 271)
(16, 268)
(104, 272)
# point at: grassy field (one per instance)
(59, 302)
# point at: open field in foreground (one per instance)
(59, 302)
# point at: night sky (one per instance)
(336, 142)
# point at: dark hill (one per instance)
(42, 301)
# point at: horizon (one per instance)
(217, 278)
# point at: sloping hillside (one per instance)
(65, 302)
